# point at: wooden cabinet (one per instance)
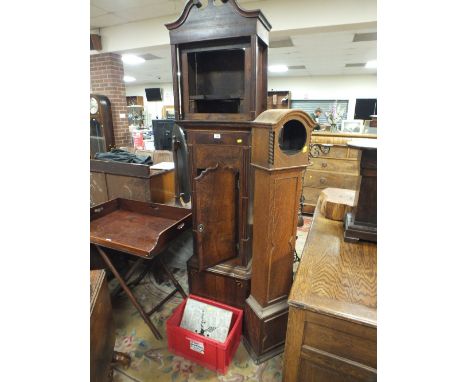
(102, 336)
(279, 99)
(337, 168)
(135, 101)
(332, 325)
(110, 180)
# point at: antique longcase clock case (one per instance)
(219, 58)
(241, 158)
(100, 124)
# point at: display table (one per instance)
(332, 326)
(141, 230)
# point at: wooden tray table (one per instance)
(140, 229)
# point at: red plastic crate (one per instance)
(211, 354)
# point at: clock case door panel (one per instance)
(216, 214)
(221, 149)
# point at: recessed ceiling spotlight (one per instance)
(278, 68)
(129, 79)
(131, 59)
(371, 64)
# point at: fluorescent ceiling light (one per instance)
(278, 68)
(131, 59)
(371, 64)
(129, 79)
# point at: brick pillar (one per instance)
(107, 79)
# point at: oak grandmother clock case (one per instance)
(279, 158)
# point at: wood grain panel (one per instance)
(209, 155)
(217, 206)
(276, 203)
(226, 289)
(98, 191)
(284, 214)
(317, 365)
(336, 151)
(343, 344)
(232, 138)
(293, 345)
(325, 179)
(162, 187)
(336, 273)
(102, 336)
(338, 165)
(126, 187)
(338, 138)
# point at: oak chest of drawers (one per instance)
(332, 326)
(337, 168)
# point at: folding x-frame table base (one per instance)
(123, 282)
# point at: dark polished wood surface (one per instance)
(361, 222)
(102, 336)
(332, 326)
(217, 205)
(110, 180)
(137, 228)
(219, 61)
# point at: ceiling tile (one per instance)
(117, 5)
(106, 20)
(148, 11)
(95, 11)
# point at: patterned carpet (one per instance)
(151, 361)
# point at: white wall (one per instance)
(153, 108)
(328, 87)
(320, 87)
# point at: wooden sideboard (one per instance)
(338, 168)
(332, 325)
(110, 180)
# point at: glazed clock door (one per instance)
(216, 220)
(100, 124)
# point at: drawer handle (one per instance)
(181, 225)
(324, 164)
(323, 180)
